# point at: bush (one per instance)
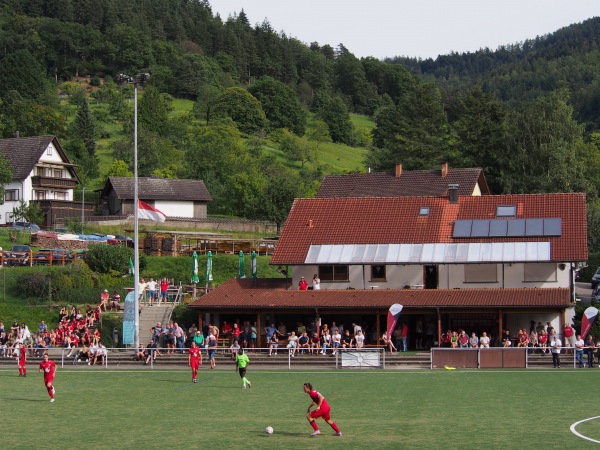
(95, 81)
(112, 259)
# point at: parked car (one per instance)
(56, 255)
(596, 278)
(18, 255)
(26, 226)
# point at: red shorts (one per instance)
(48, 380)
(22, 363)
(195, 364)
(316, 413)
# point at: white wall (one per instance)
(175, 208)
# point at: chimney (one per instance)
(17, 136)
(398, 170)
(453, 193)
(444, 169)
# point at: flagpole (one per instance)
(136, 265)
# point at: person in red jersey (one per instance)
(322, 410)
(194, 359)
(48, 367)
(22, 361)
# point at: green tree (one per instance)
(29, 212)
(5, 176)
(153, 111)
(319, 132)
(84, 128)
(21, 72)
(242, 107)
(30, 118)
(334, 113)
(119, 168)
(280, 104)
(296, 148)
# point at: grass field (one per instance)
(374, 409)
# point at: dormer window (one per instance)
(506, 211)
(424, 211)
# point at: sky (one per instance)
(415, 28)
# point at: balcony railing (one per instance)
(51, 182)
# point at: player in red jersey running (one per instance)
(322, 410)
(194, 359)
(22, 360)
(48, 367)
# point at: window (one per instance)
(11, 196)
(539, 272)
(49, 150)
(424, 211)
(333, 273)
(506, 211)
(39, 195)
(60, 196)
(481, 273)
(57, 173)
(40, 171)
(377, 273)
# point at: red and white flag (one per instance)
(145, 211)
(587, 321)
(392, 318)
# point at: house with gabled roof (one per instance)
(405, 183)
(482, 263)
(43, 173)
(175, 198)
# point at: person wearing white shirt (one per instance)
(556, 346)
(316, 283)
(151, 291)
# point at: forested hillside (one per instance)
(265, 106)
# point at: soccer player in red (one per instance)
(22, 360)
(48, 367)
(194, 359)
(322, 410)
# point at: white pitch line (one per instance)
(576, 433)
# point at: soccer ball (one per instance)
(269, 430)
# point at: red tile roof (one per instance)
(396, 221)
(271, 293)
(409, 183)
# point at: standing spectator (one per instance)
(151, 291)
(235, 333)
(419, 334)
(48, 368)
(316, 282)
(212, 350)
(179, 336)
(589, 348)
(282, 329)
(556, 346)
(579, 344)
(404, 336)
(484, 341)
(164, 290)
(191, 332)
(42, 328)
(429, 333)
(302, 284)
(253, 335)
(194, 359)
(104, 299)
(142, 289)
(270, 331)
(569, 335)
(473, 340)
(226, 329)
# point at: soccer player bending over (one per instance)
(322, 410)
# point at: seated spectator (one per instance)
(292, 344)
(387, 342)
(446, 338)
(336, 341)
(235, 349)
(273, 345)
(104, 299)
(303, 342)
(543, 341)
(199, 339)
(140, 352)
(115, 303)
(454, 340)
(523, 338)
(100, 354)
(325, 341)
(484, 340)
(151, 352)
(347, 340)
(226, 329)
(463, 339)
(43, 327)
(506, 342)
(3, 344)
(360, 339)
(533, 338)
(473, 340)
(313, 344)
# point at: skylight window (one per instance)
(424, 211)
(506, 211)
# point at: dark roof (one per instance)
(159, 189)
(270, 293)
(396, 221)
(408, 184)
(23, 153)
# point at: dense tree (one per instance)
(332, 111)
(280, 104)
(21, 72)
(84, 128)
(153, 111)
(5, 175)
(29, 118)
(241, 107)
(350, 79)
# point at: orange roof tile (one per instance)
(395, 220)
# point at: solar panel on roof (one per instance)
(534, 227)
(552, 227)
(516, 227)
(480, 228)
(498, 228)
(462, 228)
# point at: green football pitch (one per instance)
(459, 409)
